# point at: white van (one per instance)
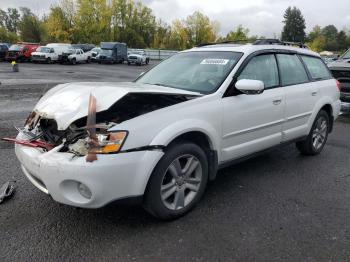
(50, 53)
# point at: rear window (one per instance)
(316, 67)
(292, 71)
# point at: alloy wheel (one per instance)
(181, 182)
(319, 133)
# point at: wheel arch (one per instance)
(329, 109)
(195, 131)
(326, 105)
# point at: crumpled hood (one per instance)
(69, 102)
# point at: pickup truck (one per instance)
(138, 57)
(341, 71)
(74, 56)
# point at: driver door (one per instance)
(252, 123)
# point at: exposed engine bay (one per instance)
(89, 135)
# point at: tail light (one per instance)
(338, 85)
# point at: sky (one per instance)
(262, 17)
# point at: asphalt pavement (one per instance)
(280, 206)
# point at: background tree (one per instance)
(294, 25)
(92, 22)
(57, 25)
(200, 29)
(239, 34)
(31, 28)
(179, 36)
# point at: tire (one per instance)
(167, 203)
(147, 61)
(129, 63)
(74, 61)
(88, 60)
(48, 60)
(317, 138)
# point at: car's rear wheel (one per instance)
(178, 181)
(317, 137)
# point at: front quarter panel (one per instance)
(160, 127)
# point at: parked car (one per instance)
(75, 56)
(138, 57)
(44, 54)
(341, 71)
(94, 53)
(85, 47)
(21, 52)
(3, 50)
(113, 52)
(161, 138)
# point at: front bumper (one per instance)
(110, 178)
(39, 58)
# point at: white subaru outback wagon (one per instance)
(161, 138)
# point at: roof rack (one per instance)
(237, 42)
(259, 42)
(279, 42)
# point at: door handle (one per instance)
(277, 102)
(314, 93)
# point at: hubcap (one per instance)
(319, 134)
(181, 182)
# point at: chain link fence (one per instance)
(155, 54)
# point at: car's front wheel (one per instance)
(317, 137)
(178, 181)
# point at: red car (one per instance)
(21, 52)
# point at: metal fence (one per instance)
(155, 54)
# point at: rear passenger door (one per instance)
(299, 96)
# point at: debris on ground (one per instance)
(6, 191)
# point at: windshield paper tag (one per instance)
(211, 61)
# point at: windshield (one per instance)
(106, 52)
(71, 51)
(346, 55)
(16, 48)
(97, 50)
(201, 72)
(44, 49)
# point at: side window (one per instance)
(263, 68)
(316, 68)
(292, 71)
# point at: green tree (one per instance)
(57, 25)
(13, 20)
(93, 21)
(342, 40)
(318, 44)
(133, 23)
(239, 34)
(31, 28)
(200, 29)
(179, 36)
(294, 25)
(6, 36)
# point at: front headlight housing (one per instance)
(108, 143)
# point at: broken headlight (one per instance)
(108, 143)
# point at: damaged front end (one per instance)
(89, 136)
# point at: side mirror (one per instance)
(250, 87)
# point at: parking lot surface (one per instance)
(276, 207)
